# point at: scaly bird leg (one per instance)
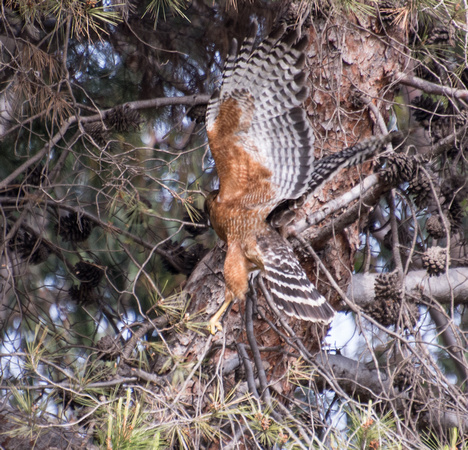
(214, 324)
(236, 275)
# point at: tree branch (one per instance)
(363, 383)
(338, 203)
(145, 327)
(418, 284)
(249, 373)
(431, 88)
(38, 156)
(249, 328)
(454, 349)
(191, 100)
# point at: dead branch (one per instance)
(443, 289)
(431, 88)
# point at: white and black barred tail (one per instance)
(287, 282)
(327, 167)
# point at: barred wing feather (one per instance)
(268, 82)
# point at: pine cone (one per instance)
(97, 133)
(386, 312)
(123, 118)
(39, 254)
(198, 217)
(388, 298)
(435, 227)
(387, 286)
(438, 35)
(181, 260)
(88, 273)
(293, 13)
(439, 129)
(74, 228)
(405, 376)
(461, 119)
(197, 113)
(435, 260)
(387, 12)
(108, 348)
(427, 109)
(193, 255)
(399, 168)
(420, 187)
(29, 248)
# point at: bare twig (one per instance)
(249, 373)
(190, 100)
(144, 328)
(395, 239)
(249, 329)
(431, 88)
(38, 156)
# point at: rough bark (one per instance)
(350, 67)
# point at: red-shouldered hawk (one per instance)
(262, 144)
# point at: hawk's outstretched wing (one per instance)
(260, 137)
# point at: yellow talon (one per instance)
(214, 326)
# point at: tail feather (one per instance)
(327, 167)
(287, 282)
